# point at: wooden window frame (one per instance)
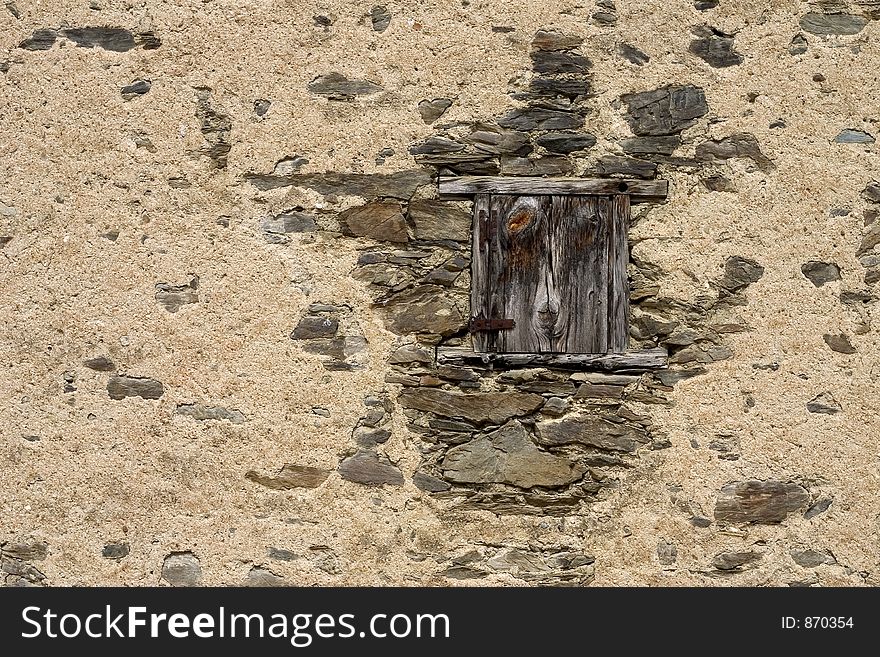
(485, 187)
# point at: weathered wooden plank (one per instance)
(640, 191)
(518, 273)
(618, 290)
(480, 270)
(631, 361)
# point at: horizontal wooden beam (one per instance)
(640, 191)
(631, 361)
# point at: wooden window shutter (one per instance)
(549, 273)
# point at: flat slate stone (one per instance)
(135, 89)
(336, 86)
(116, 551)
(100, 364)
(824, 404)
(850, 136)
(633, 54)
(423, 309)
(728, 561)
(369, 469)
(491, 138)
(120, 387)
(820, 273)
(380, 17)
(812, 558)
(291, 221)
(559, 62)
(798, 45)
(715, 48)
(182, 569)
(430, 483)
(174, 297)
(310, 327)
(566, 142)
(431, 110)
(551, 40)
(739, 272)
(828, 24)
(741, 144)
(756, 501)
(651, 145)
(508, 456)
(592, 431)
(401, 184)
(665, 111)
(551, 165)
(203, 412)
(260, 577)
(380, 220)
(872, 192)
(482, 407)
(439, 220)
(839, 343)
(629, 167)
(291, 476)
(528, 119)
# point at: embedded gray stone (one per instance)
(839, 343)
(436, 146)
(40, 39)
(426, 309)
(828, 24)
(290, 476)
(632, 54)
(555, 406)
(798, 45)
(369, 469)
(25, 548)
(182, 569)
(730, 561)
(705, 5)
(280, 554)
(715, 48)
(739, 145)
(439, 220)
(291, 221)
(550, 165)
(380, 17)
(566, 142)
(315, 327)
(820, 273)
(482, 408)
(108, 38)
(569, 88)
(665, 111)
(100, 364)
(490, 138)
(872, 192)
(740, 272)
(203, 412)
(120, 387)
(593, 431)
(759, 501)
(336, 86)
(379, 220)
(508, 456)
(664, 145)
(135, 89)
(429, 483)
(551, 40)
(554, 63)
(261, 106)
(719, 184)
(431, 110)
(263, 577)
(174, 297)
(818, 507)
(824, 403)
(289, 165)
(216, 128)
(411, 353)
(630, 167)
(115, 551)
(812, 558)
(528, 119)
(850, 136)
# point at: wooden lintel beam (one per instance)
(640, 191)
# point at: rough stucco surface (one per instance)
(81, 470)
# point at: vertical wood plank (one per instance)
(480, 272)
(519, 273)
(618, 315)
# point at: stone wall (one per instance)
(228, 269)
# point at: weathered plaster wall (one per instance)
(198, 218)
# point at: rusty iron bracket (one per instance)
(488, 228)
(485, 324)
